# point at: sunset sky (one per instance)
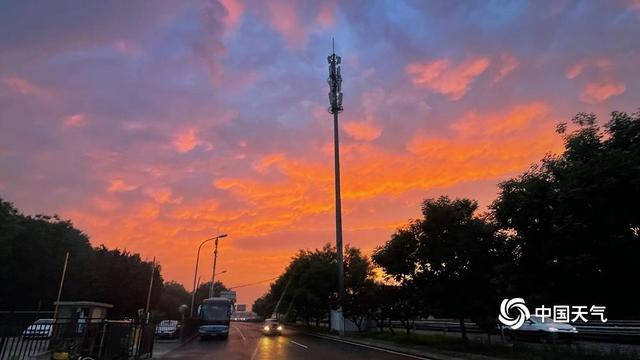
(152, 124)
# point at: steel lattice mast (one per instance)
(335, 100)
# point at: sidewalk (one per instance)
(163, 347)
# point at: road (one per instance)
(246, 342)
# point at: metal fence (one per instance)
(37, 336)
(612, 330)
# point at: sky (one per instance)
(154, 125)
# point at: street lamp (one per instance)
(195, 274)
(215, 258)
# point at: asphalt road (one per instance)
(246, 342)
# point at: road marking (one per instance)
(255, 351)
(373, 347)
(241, 334)
(297, 343)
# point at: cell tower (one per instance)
(335, 102)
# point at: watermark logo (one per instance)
(555, 314)
(510, 305)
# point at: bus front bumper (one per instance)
(210, 330)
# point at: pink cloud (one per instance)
(75, 120)
(574, 71)
(633, 4)
(448, 79)
(24, 87)
(127, 47)
(284, 19)
(235, 10)
(507, 63)
(362, 130)
(325, 16)
(596, 92)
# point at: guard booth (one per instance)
(82, 328)
(79, 326)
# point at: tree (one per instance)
(203, 291)
(398, 258)
(122, 279)
(360, 289)
(574, 219)
(32, 252)
(307, 290)
(445, 262)
(458, 254)
(172, 296)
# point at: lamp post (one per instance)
(335, 100)
(195, 274)
(215, 259)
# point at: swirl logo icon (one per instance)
(518, 305)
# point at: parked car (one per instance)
(272, 327)
(168, 329)
(547, 330)
(40, 329)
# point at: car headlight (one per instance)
(279, 327)
(553, 329)
(266, 328)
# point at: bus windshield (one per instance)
(215, 311)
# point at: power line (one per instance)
(253, 283)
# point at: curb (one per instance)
(416, 354)
(413, 354)
(187, 341)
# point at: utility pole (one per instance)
(335, 100)
(215, 259)
(213, 273)
(195, 273)
(64, 273)
(153, 273)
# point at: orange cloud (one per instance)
(119, 185)
(286, 201)
(443, 77)
(187, 140)
(163, 195)
(520, 117)
(578, 68)
(76, 120)
(362, 130)
(597, 92)
(483, 146)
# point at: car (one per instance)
(544, 330)
(168, 329)
(272, 327)
(40, 329)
